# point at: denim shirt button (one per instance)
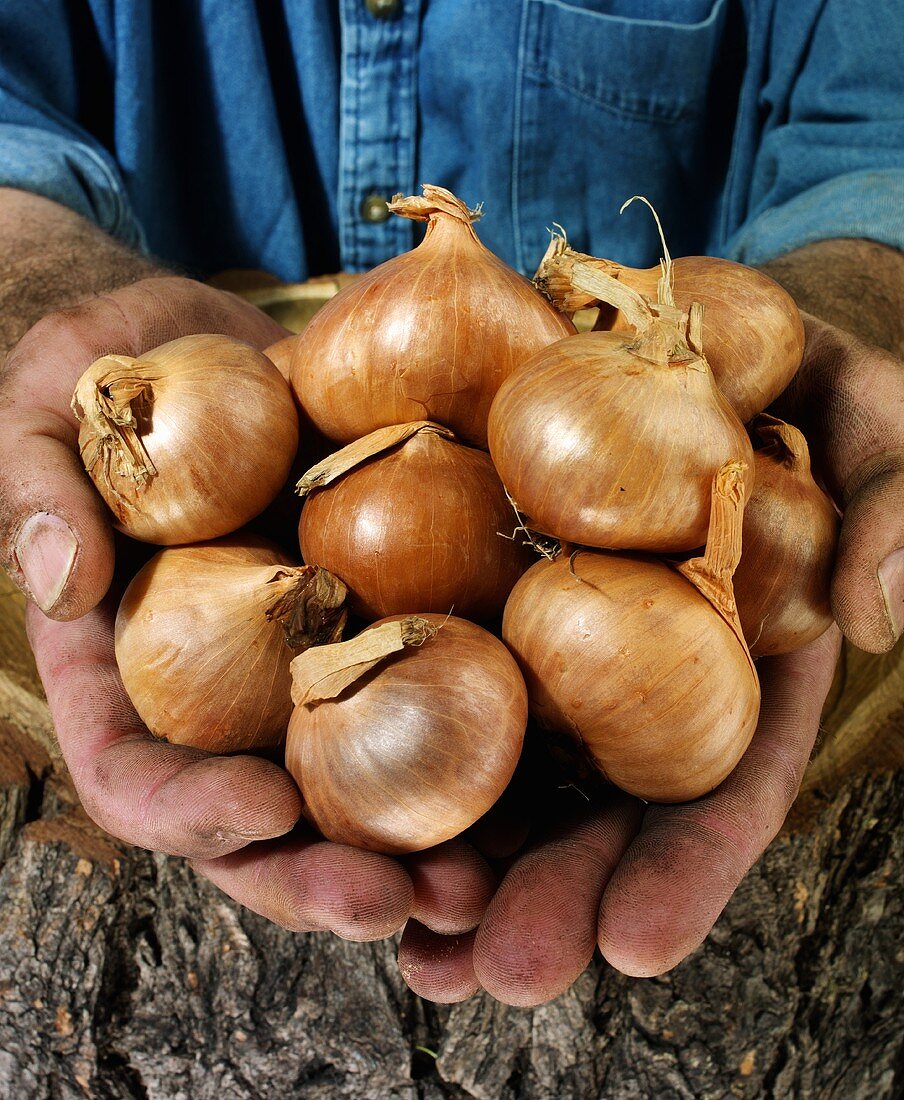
(374, 208)
(383, 9)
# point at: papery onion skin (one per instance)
(791, 531)
(626, 656)
(752, 330)
(428, 335)
(198, 658)
(600, 447)
(416, 751)
(219, 426)
(419, 527)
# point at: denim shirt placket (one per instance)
(378, 127)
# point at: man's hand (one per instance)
(646, 884)
(848, 398)
(231, 816)
(234, 817)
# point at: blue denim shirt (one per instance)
(247, 133)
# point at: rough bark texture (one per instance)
(123, 975)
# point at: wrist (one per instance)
(856, 285)
(52, 258)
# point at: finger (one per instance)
(848, 397)
(453, 885)
(309, 885)
(438, 968)
(868, 584)
(539, 932)
(681, 869)
(55, 536)
(165, 797)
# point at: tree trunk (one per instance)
(123, 975)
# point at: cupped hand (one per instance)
(234, 817)
(646, 884)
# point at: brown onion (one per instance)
(205, 636)
(188, 442)
(429, 335)
(609, 440)
(790, 537)
(644, 667)
(752, 329)
(280, 355)
(420, 746)
(413, 519)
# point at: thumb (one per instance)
(868, 585)
(54, 528)
(55, 535)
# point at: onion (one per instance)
(612, 441)
(429, 335)
(752, 329)
(643, 664)
(790, 536)
(188, 442)
(280, 355)
(406, 735)
(409, 518)
(205, 636)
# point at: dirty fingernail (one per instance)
(891, 579)
(45, 552)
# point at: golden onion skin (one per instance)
(783, 581)
(626, 656)
(417, 527)
(600, 447)
(416, 751)
(198, 658)
(428, 335)
(220, 427)
(753, 334)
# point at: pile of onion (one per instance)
(474, 427)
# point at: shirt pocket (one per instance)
(608, 106)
